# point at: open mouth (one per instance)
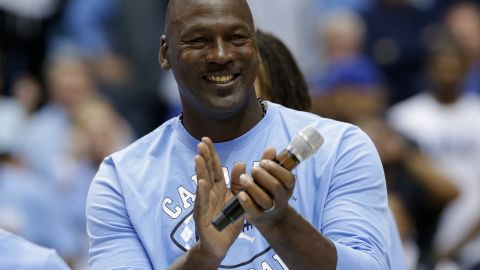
(221, 79)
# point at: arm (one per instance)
(453, 252)
(355, 214)
(114, 243)
(196, 258)
(438, 186)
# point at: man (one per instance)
(18, 253)
(151, 205)
(444, 122)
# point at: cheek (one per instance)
(184, 60)
(188, 59)
(185, 65)
(252, 54)
(250, 57)
(185, 56)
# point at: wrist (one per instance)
(200, 256)
(196, 258)
(286, 219)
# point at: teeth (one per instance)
(220, 79)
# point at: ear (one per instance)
(163, 56)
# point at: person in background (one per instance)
(418, 191)
(28, 92)
(396, 31)
(17, 253)
(328, 6)
(292, 23)
(43, 148)
(463, 20)
(27, 207)
(351, 84)
(444, 123)
(119, 39)
(97, 130)
(69, 82)
(279, 78)
(24, 35)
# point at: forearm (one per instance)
(299, 244)
(471, 235)
(195, 259)
(441, 189)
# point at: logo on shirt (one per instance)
(184, 236)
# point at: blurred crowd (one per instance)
(80, 79)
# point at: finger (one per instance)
(201, 169)
(280, 173)
(248, 205)
(204, 151)
(238, 169)
(201, 200)
(269, 153)
(269, 183)
(202, 192)
(216, 163)
(256, 193)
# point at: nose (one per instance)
(219, 53)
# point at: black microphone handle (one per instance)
(233, 210)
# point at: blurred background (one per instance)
(79, 79)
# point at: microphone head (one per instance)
(305, 143)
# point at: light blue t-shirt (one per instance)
(19, 254)
(140, 203)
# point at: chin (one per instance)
(225, 107)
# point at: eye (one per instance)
(195, 42)
(238, 39)
(198, 40)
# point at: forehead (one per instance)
(207, 14)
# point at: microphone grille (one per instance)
(305, 143)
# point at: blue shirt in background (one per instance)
(19, 254)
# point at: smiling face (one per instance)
(210, 47)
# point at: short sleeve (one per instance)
(114, 243)
(355, 215)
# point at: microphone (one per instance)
(302, 146)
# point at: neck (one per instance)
(447, 96)
(200, 125)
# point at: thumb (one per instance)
(269, 153)
(238, 169)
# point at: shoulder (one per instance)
(143, 148)
(338, 136)
(147, 143)
(127, 164)
(418, 101)
(299, 119)
(472, 100)
(400, 114)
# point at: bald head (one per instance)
(179, 11)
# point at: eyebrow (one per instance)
(206, 28)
